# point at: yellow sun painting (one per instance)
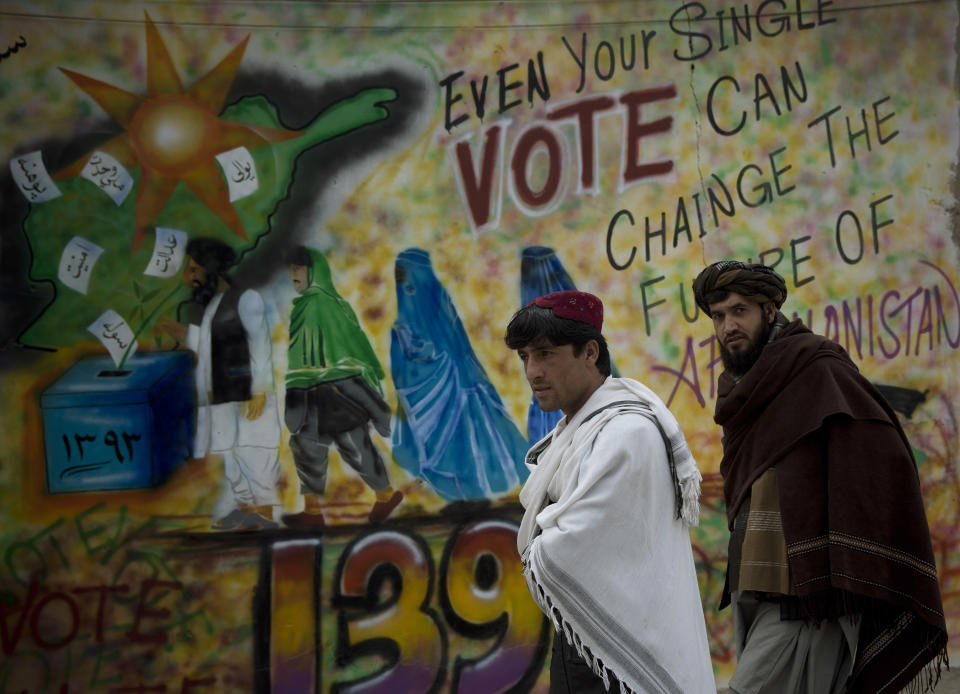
(174, 134)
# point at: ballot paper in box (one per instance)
(118, 428)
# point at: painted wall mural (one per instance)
(260, 430)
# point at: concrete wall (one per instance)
(616, 147)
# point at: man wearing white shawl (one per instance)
(612, 492)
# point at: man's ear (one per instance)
(770, 311)
(592, 351)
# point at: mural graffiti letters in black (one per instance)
(384, 586)
(849, 231)
(769, 18)
(855, 132)
(20, 43)
(720, 90)
(754, 186)
(384, 596)
(482, 595)
(507, 85)
(605, 56)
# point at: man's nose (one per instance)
(727, 326)
(532, 369)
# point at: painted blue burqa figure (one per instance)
(541, 272)
(452, 428)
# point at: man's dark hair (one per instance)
(215, 257)
(534, 322)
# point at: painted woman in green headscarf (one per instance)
(333, 390)
(326, 340)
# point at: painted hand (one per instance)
(253, 408)
(170, 327)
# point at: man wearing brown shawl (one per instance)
(831, 572)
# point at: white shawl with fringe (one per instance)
(605, 541)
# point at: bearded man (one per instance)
(237, 413)
(612, 493)
(831, 574)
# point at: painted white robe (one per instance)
(249, 447)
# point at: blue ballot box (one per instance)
(108, 428)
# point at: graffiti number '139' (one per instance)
(383, 595)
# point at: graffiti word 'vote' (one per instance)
(537, 190)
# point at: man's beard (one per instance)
(738, 363)
(204, 293)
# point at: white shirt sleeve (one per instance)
(253, 315)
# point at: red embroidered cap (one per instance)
(579, 306)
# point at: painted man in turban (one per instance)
(611, 494)
(237, 414)
(831, 574)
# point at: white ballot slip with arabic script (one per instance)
(169, 249)
(76, 263)
(112, 330)
(240, 172)
(109, 175)
(32, 178)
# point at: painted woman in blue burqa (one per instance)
(452, 428)
(541, 272)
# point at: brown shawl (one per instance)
(853, 516)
